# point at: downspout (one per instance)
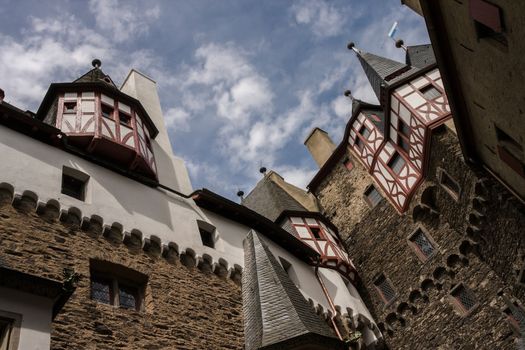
(330, 301)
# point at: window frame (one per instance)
(396, 156)
(366, 193)
(456, 302)
(428, 87)
(14, 323)
(75, 175)
(418, 251)
(67, 110)
(108, 106)
(116, 276)
(377, 283)
(442, 175)
(207, 229)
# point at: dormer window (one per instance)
(107, 111)
(70, 107)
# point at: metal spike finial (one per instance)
(400, 44)
(96, 63)
(348, 94)
(240, 194)
(262, 170)
(351, 46)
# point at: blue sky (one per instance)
(241, 82)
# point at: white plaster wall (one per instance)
(35, 332)
(37, 167)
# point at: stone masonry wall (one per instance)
(185, 307)
(479, 241)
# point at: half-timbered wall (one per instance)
(365, 139)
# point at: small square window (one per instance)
(365, 132)
(403, 144)
(359, 143)
(488, 20)
(124, 119)
(372, 196)
(207, 238)
(449, 184)
(70, 107)
(107, 111)
(430, 92)
(463, 299)
(74, 183)
(403, 128)
(422, 244)
(396, 163)
(385, 289)
(316, 232)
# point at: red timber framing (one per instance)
(106, 126)
(321, 238)
(410, 117)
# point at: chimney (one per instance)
(319, 145)
(2, 95)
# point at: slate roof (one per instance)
(270, 200)
(96, 75)
(420, 56)
(276, 315)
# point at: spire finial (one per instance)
(348, 94)
(262, 170)
(240, 194)
(96, 63)
(400, 44)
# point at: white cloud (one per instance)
(342, 107)
(324, 19)
(298, 176)
(122, 19)
(177, 119)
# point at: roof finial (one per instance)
(240, 194)
(96, 63)
(262, 170)
(351, 46)
(401, 44)
(348, 94)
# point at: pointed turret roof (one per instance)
(276, 314)
(96, 75)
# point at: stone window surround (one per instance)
(16, 323)
(457, 305)
(367, 190)
(77, 175)
(440, 172)
(423, 258)
(380, 292)
(210, 229)
(119, 274)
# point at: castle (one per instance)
(398, 243)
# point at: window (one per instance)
(515, 316)
(207, 233)
(365, 132)
(70, 107)
(449, 184)
(430, 92)
(117, 285)
(403, 128)
(290, 271)
(124, 119)
(396, 163)
(316, 232)
(9, 330)
(463, 299)
(148, 142)
(372, 196)
(74, 183)
(422, 244)
(403, 144)
(359, 143)
(107, 111)
(510, 151)
(488, 20)
(348, 164)
(385, 289)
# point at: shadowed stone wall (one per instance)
(478, 239)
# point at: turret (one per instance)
(101, 121)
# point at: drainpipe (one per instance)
(330, 301)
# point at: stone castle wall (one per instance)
(479, 241)
(185, 307)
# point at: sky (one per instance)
(241, 82)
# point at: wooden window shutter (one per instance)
(486, 14)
